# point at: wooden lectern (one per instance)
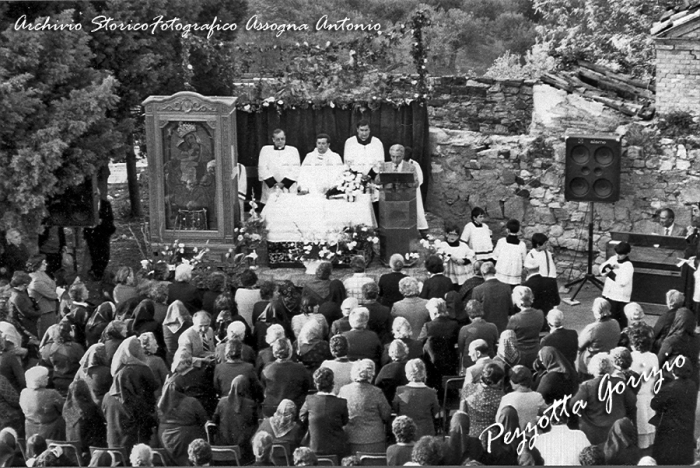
(397, 213)
(654, 258)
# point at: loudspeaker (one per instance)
(76, 207)
(592, 168)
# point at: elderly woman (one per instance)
(595, 419)
(182, 420)
(194, 381)
(312, 349)
(389, 282)
(235, 331)
(368, 410)
(43, 290)
(674, 301)
(158, 293)
(275, 313)
(343, 324)
(232, 367)
(393, 375)
(63, 354)
(177, 320)
(309, 311)
(412, 307)
(272, 334)
(555, 376)
(437, 285)
(155, 363)
(129, 406)
(141, 455)
(416, 400)
(440, 338)
(112, 337)
(101, 317)
(216, 286)
(95, 371)
(620, 448)
(262, 448)
(319, 287)
(79, 311)
(404, 430)
(401, 329)
(325, 414)
(42, 406)
(283, 427)
(598, 337)
(635, 319)
(644, 362)
(362, 343)
(682, 340)
(341, 365)
(526, 402)
(284, 379)
(527, 325)
(237, 417)
(84, 420)
(675, 416)
(226, 314)
(482, 398)
(145, 322)
(126, 285)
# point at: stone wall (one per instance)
(521, 177)
(481, 104)
(678, 74)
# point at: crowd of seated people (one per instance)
(175, 365)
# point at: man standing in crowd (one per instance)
(278, 166)
(495, 297)
(667, 224)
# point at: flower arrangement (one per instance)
(350, 184)
(435, 246)
(247, 239)
(338, 246)
(175, 254)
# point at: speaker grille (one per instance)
(579, 187)
(603, 188)
(592, 168)
(580, 154)
(604, 156)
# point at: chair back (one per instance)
(372, 459)
(226, 455)
(327, 460)
(117, 455)
(160, 457)
(72, 449)
(22, 445)
(280, 453)
(451, 398)
(211, 428)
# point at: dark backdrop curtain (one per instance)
(406, 125)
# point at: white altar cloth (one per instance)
(295, 218)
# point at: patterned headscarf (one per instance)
(129, 353)
(283, 420)
(508, 348)
(149, 343)
(95, 356)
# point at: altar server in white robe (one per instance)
(321, 168)
(421, 220)
(364, 153)
(278, 166)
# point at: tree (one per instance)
(55, 124)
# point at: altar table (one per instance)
(297, 218)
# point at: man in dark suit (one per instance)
(438, 284)
(362, 343)
(495, 297)
(440, 325)
(389, 282)
(545, 290)
(182, 290)
(467, 289)
(667, 224)
(564, 340)
(379, 315)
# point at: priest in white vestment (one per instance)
(364, 153)
(278, 166)
(321, 168)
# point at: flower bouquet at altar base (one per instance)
(435, 246)
(349, 186)
(248, 238)
(174, 255)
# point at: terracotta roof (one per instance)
(672, 18)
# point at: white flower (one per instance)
(240, 238)
(375, 240)
(181, 245)
(230, 251)
(144, 264)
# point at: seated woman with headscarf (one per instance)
(101, 317)
(112, 337)
(393, 375)
(227, 371)
(63, 354)
(129, 406)
(154, 361)
(237, 417)
(95, 372)
(620, 448)
(42, 406)
(182, 420)
(10, 450)
(84, 420)
(319, 287)
(145, 322)
(461, 446)
(504, 450)
(177, 320)
(283, 428)
(312, 349)
(416, 400)
(194, 381)
(235, 331)
(507, 355)
(555, 377)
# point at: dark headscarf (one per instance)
(144, 315)
(462, 447)
(103, 314)
(95, 356)
(683, 323)
(125, 310)
(622, 435)
(116, 330)
(336, 292)
(291, 298)
(508, 419)
(238, 392)
(79, 401)
(553, 361)
(172, 396)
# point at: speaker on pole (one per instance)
(592, 168)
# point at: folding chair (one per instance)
(451, 398)
(22, 445)
(372, 459)
(210, 429)
(160, 458)
(72, 450)
(116, 454)
(327, 460)
(280, 451)
(226, 454)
